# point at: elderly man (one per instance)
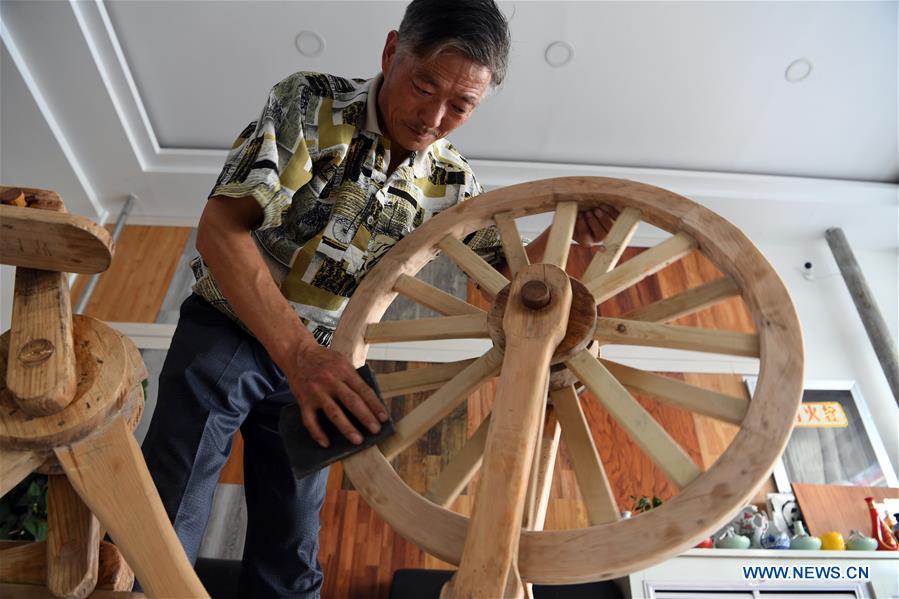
(332, 174)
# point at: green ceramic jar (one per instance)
(803, 541)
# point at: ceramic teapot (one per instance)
(859, 542)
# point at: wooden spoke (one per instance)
(688, 302)
(542, 473)
(490, 280)
(416, 380)
(441, 403)
(696, 399)
(468, 326)
(108, 472)
(16, 465)
(588, 468)
(513, 248)
(459, 472)
(559, 242)
(436, 299)
(614, 244)
(639, 424)
(73, 541)
(639, 267)
(635, 332)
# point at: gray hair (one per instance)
(475, 28)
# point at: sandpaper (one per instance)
(306, 455)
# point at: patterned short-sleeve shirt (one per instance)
(317, 163)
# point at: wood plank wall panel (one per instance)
(133, 288)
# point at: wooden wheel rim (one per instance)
(583, 555)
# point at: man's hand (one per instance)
(322, 379)
(592, 226)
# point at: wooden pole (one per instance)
(875, 325)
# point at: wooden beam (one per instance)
(513, 248)
(57, 241)
(73, 541)
(108, 471)
(613, 246)
(15, 465)
(547, 452)
(639, 267)
(696, 399)
(588, 468)
(468, 326)
(688, 302)
(436, 299)
(461, 469)
(559, 242)
(40, 372)
(634, 332)
(441, 403)
(491, 544)
(639, 424)
(416, 380)
(490, 279)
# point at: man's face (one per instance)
(422, 99)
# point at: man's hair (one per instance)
(475, 28)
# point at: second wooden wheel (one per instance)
(537, 332)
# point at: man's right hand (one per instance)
(322, 379)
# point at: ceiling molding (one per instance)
(715, 189)
(101, 213)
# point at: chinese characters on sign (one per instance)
(826, 414)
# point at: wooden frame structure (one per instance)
(70, 397)
(502, 547)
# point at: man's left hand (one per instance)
(592, 226)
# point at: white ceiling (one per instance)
(112, 98)
(696, 86)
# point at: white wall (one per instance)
(836, 345)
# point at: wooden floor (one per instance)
(359, 552)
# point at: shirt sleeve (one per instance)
(269, 159)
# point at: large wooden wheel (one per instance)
(541, 318)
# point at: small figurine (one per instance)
(880, 531)
(859, 542)
(731, 540)
(777, 539)
(759, 524)
(802, 540)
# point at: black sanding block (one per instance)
(306, 455)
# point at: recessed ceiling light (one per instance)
(558, 54)
(798, 70)
(310, 44)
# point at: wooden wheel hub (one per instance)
(581, 320)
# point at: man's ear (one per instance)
(389, 54)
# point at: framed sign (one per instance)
(834, 441)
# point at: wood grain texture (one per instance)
(490, 279)
(513, 248)
(73, 542)
(108, 471)
(105, 376)
(827, 508)
(40, 373)
(51, 240)
(134, 287)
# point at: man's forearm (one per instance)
(244, 279)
